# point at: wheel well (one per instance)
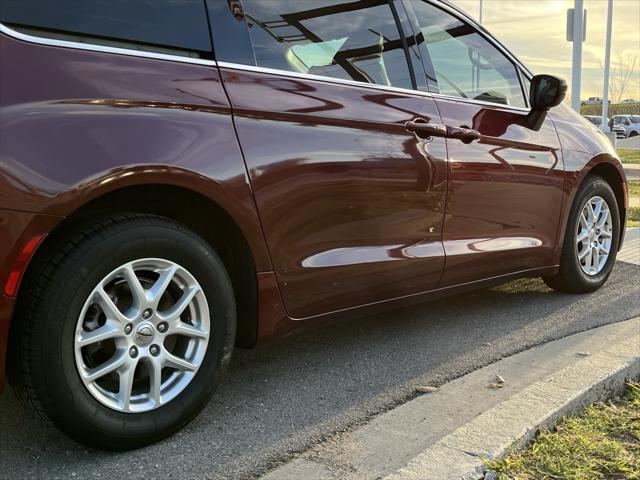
(612, 176)
(198, 213)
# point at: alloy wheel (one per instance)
(594, 234)
(142, 334)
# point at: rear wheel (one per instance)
(124, 331)
(591, 239)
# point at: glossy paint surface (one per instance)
(505, 193)
(351, 203)
(106, 122)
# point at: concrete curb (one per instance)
(519, 419)
(447, 434)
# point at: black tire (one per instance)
(44, 372)
(633, 134)
(571, 278)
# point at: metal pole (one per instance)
(576, 70)
(480, 19)
(607, 65)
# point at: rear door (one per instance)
(505, 189)
(351, 203)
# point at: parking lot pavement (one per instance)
(281, 398)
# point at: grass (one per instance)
(633, 217)
(615, 109)
(602, 443)
(628, 156)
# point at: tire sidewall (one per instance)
(81, 414)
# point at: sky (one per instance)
(535, 31)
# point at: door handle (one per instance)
(424, 129)
(465, 135)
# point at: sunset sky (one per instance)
(535, 30)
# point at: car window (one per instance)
(465, 64)
(179, 24)
(341, 39)
(635, 118)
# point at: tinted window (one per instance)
(342, 39)
(178, 24)
(464, 63)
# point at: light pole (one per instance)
(576, 70)
(607, 64)
(480, 17)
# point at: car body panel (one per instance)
(106, 122)
(505, 193)
(351, 203)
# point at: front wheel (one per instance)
(591, 239)
(125, 328)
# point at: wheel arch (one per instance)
(616, 181)
(196, 211)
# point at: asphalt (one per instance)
(285, 397)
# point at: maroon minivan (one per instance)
(181, 176)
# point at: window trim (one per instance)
(101, 48)
(356, 83)
(519, 67)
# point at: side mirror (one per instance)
(546, 92)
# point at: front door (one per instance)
(351, 203)
(505, 189)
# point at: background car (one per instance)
(597, 121)
(162, 203)
(629, 123)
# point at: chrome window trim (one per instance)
(356, 83)
(101, 48)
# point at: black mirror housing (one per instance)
(546, 92)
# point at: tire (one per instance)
(48, 360)
(572, 277)
(633, 134)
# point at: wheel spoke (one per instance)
(582, 235)
(178, 363)
(606, 233)
(109, 308)
(158, 289)
(605, 215)
(603, 249)
(154, 368)
(598, 209)
(583, 221)
(109, 330)
(126, 384)
(592, 215)
(186, 330)
(583, 253)
(137, 291)
(595, 259)
(111, 365)
(176, 310)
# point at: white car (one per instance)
(629, 123)
(597, 121)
